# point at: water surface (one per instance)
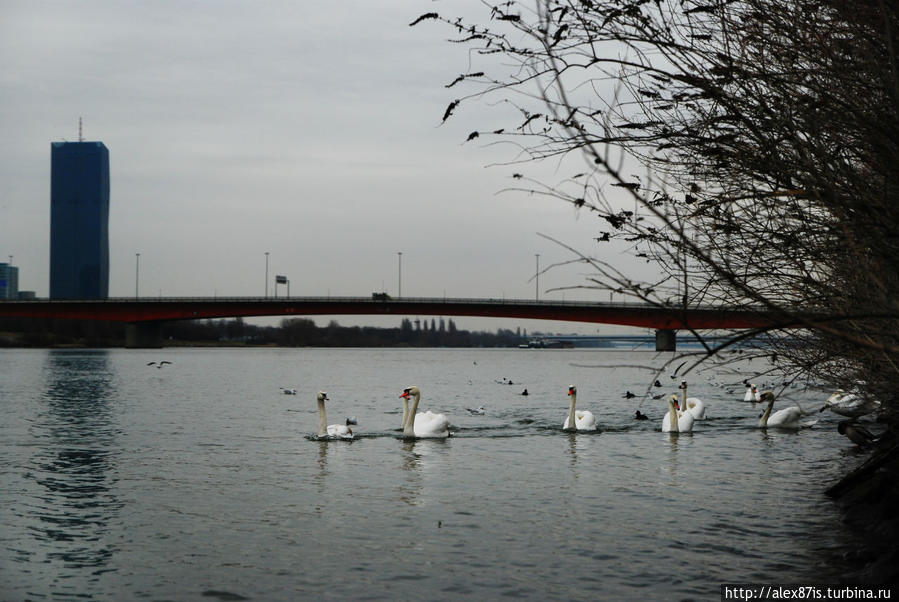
(202, 481)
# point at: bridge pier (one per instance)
(666, 340)
(143, 335)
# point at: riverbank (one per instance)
(869, 500)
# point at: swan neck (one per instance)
(763, 421)
(322, 419)
(672, 416)
(572, 403)
(405, 412)
(409, 429)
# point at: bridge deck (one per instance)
(195, 308)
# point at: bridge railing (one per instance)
(378, 301)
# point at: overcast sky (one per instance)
(309, 130)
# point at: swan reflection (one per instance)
(409, 490)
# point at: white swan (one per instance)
(583, 420)
(850, 404)
(752, 394)
(674, 421)
(787, 418)
(694, 405)
(427, 425)
(325, 430)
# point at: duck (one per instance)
(856, 433)
(330, 431)
(583, 420)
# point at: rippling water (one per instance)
(202, 481)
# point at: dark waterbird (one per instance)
(856, 433)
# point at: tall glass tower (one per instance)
(9, 281)
(79, 220)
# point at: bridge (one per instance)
(145, 315)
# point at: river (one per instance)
(201, 480)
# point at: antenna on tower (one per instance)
(80, 137)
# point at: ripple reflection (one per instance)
(74, 461)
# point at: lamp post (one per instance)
(537, 278)
(399, 289)
(266, 274)
(136, 275)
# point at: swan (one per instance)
(426, 425)
(752, 393)
(787, 418)
(674, 421)
(583, 420)
(694, 405)
(850, 404)
(331, 431)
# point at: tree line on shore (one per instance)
(293, 332)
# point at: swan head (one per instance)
(683, 385)
(322, 396)
(673, 400)
(572, 390)
(767, 396)
(413, 391)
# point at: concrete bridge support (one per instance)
(143, 335)
(666, 340)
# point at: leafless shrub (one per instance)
(766, 135)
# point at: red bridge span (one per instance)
(145, 315)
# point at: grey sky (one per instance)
(308, 130)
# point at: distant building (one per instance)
(9, 281)
(79, 220)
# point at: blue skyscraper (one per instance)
(79, 220)
(9, 281)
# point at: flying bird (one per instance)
(159, 365)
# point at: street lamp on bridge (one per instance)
(266, 274)
(136, 275)
(399, 288)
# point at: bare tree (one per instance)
(763, 134)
